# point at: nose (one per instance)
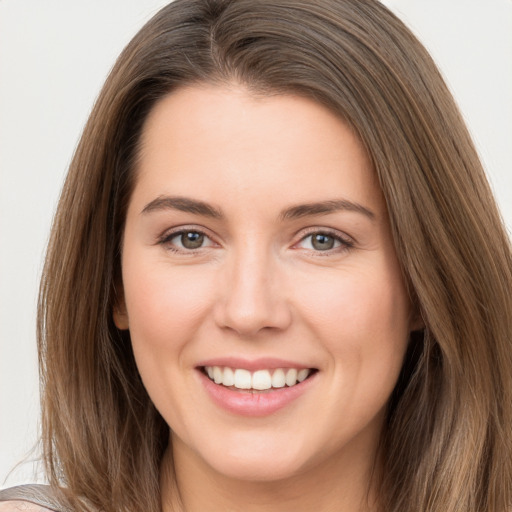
(252, 297)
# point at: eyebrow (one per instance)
(197, 207)
(183, 204)
(324, 208)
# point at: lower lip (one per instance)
(247, 403)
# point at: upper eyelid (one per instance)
(346, 242)
(164, 240)
(344, 237)
(300, 235)
(172, 232)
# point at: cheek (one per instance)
(362, 319)
(164, 304)
(166, 307)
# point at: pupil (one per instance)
(192, 240)
(323, 242)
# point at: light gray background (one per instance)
(54, 57)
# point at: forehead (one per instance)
(217, 140)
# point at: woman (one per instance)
(277, 277)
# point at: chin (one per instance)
(256, 459)
(258, 469)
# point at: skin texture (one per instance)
(257, 287)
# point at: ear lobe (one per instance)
(417, 323)
(119, 312)
(120, 316)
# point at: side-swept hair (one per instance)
(446, 445)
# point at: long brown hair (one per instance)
(447, 443)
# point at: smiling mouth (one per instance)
(259, 380)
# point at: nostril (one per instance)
(248, 319)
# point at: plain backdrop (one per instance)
(54, 57)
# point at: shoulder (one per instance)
(30, 498)
(18, 505)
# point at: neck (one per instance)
(343, 486)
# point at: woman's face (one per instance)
(257, 250)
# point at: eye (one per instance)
(323, 241)
(187, 240)
(191, 239)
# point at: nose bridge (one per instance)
(252, 298)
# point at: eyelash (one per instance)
(345, 243)
(166, 239)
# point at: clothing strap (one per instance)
(37, 494)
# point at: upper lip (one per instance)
(262, 363)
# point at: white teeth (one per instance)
(260, 380)
(279, 379)
(242, 379)
(217, 374)
(302, 374)
(229, 377)
(291, 376)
